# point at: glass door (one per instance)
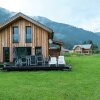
(6, 54)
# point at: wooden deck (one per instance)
(34, 68)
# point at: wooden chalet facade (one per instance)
(24, 34)
(55, 50)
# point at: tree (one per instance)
(88, 42)
(94, 46)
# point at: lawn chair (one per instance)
(61, 61)
(18, 62)
(23, 61)
(40, 60)
(46, 61)
(53, 62)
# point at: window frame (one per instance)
(13, 40)
(26, 39)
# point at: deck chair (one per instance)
(33, 60)
(53, 62)
(46, 61)
(18, 62)
(40, 60)
(61, 61)
(23, 61)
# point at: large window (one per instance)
(28, 34)
(23, 51)
(15, 32)
(6, 54)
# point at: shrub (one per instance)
(67, 54)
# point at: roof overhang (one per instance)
(57, 42)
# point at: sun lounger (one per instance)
(61, 61)
(53, 62)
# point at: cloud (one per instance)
(26, 6)
(81, 13)
(92, 25)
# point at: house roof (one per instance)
(57, 42)
(53, 46)
(65, 50)
(21, 15)
(84, 46)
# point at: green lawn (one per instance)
(82, 83)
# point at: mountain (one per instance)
(4, 15)
(68, 34)
(98, 33)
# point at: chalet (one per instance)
(28, 36)
(83, 49)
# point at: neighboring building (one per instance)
(28, 36)
(55, 48)
(65, 50)
(83, 49)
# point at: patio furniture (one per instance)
(28, 60)
(40, 60)
(33, 59)
(53, 62)
(18, 62)
(46, 61)
(23, 61)
(61, 61)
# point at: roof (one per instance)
(84, 46)
(65, 50)
(21, 15)
(57, 42)
(53, 46)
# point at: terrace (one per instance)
(37, 62)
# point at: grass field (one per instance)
(82, 83)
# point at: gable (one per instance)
(77, 48)
(22, 16)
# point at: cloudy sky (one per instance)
(81, 13)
